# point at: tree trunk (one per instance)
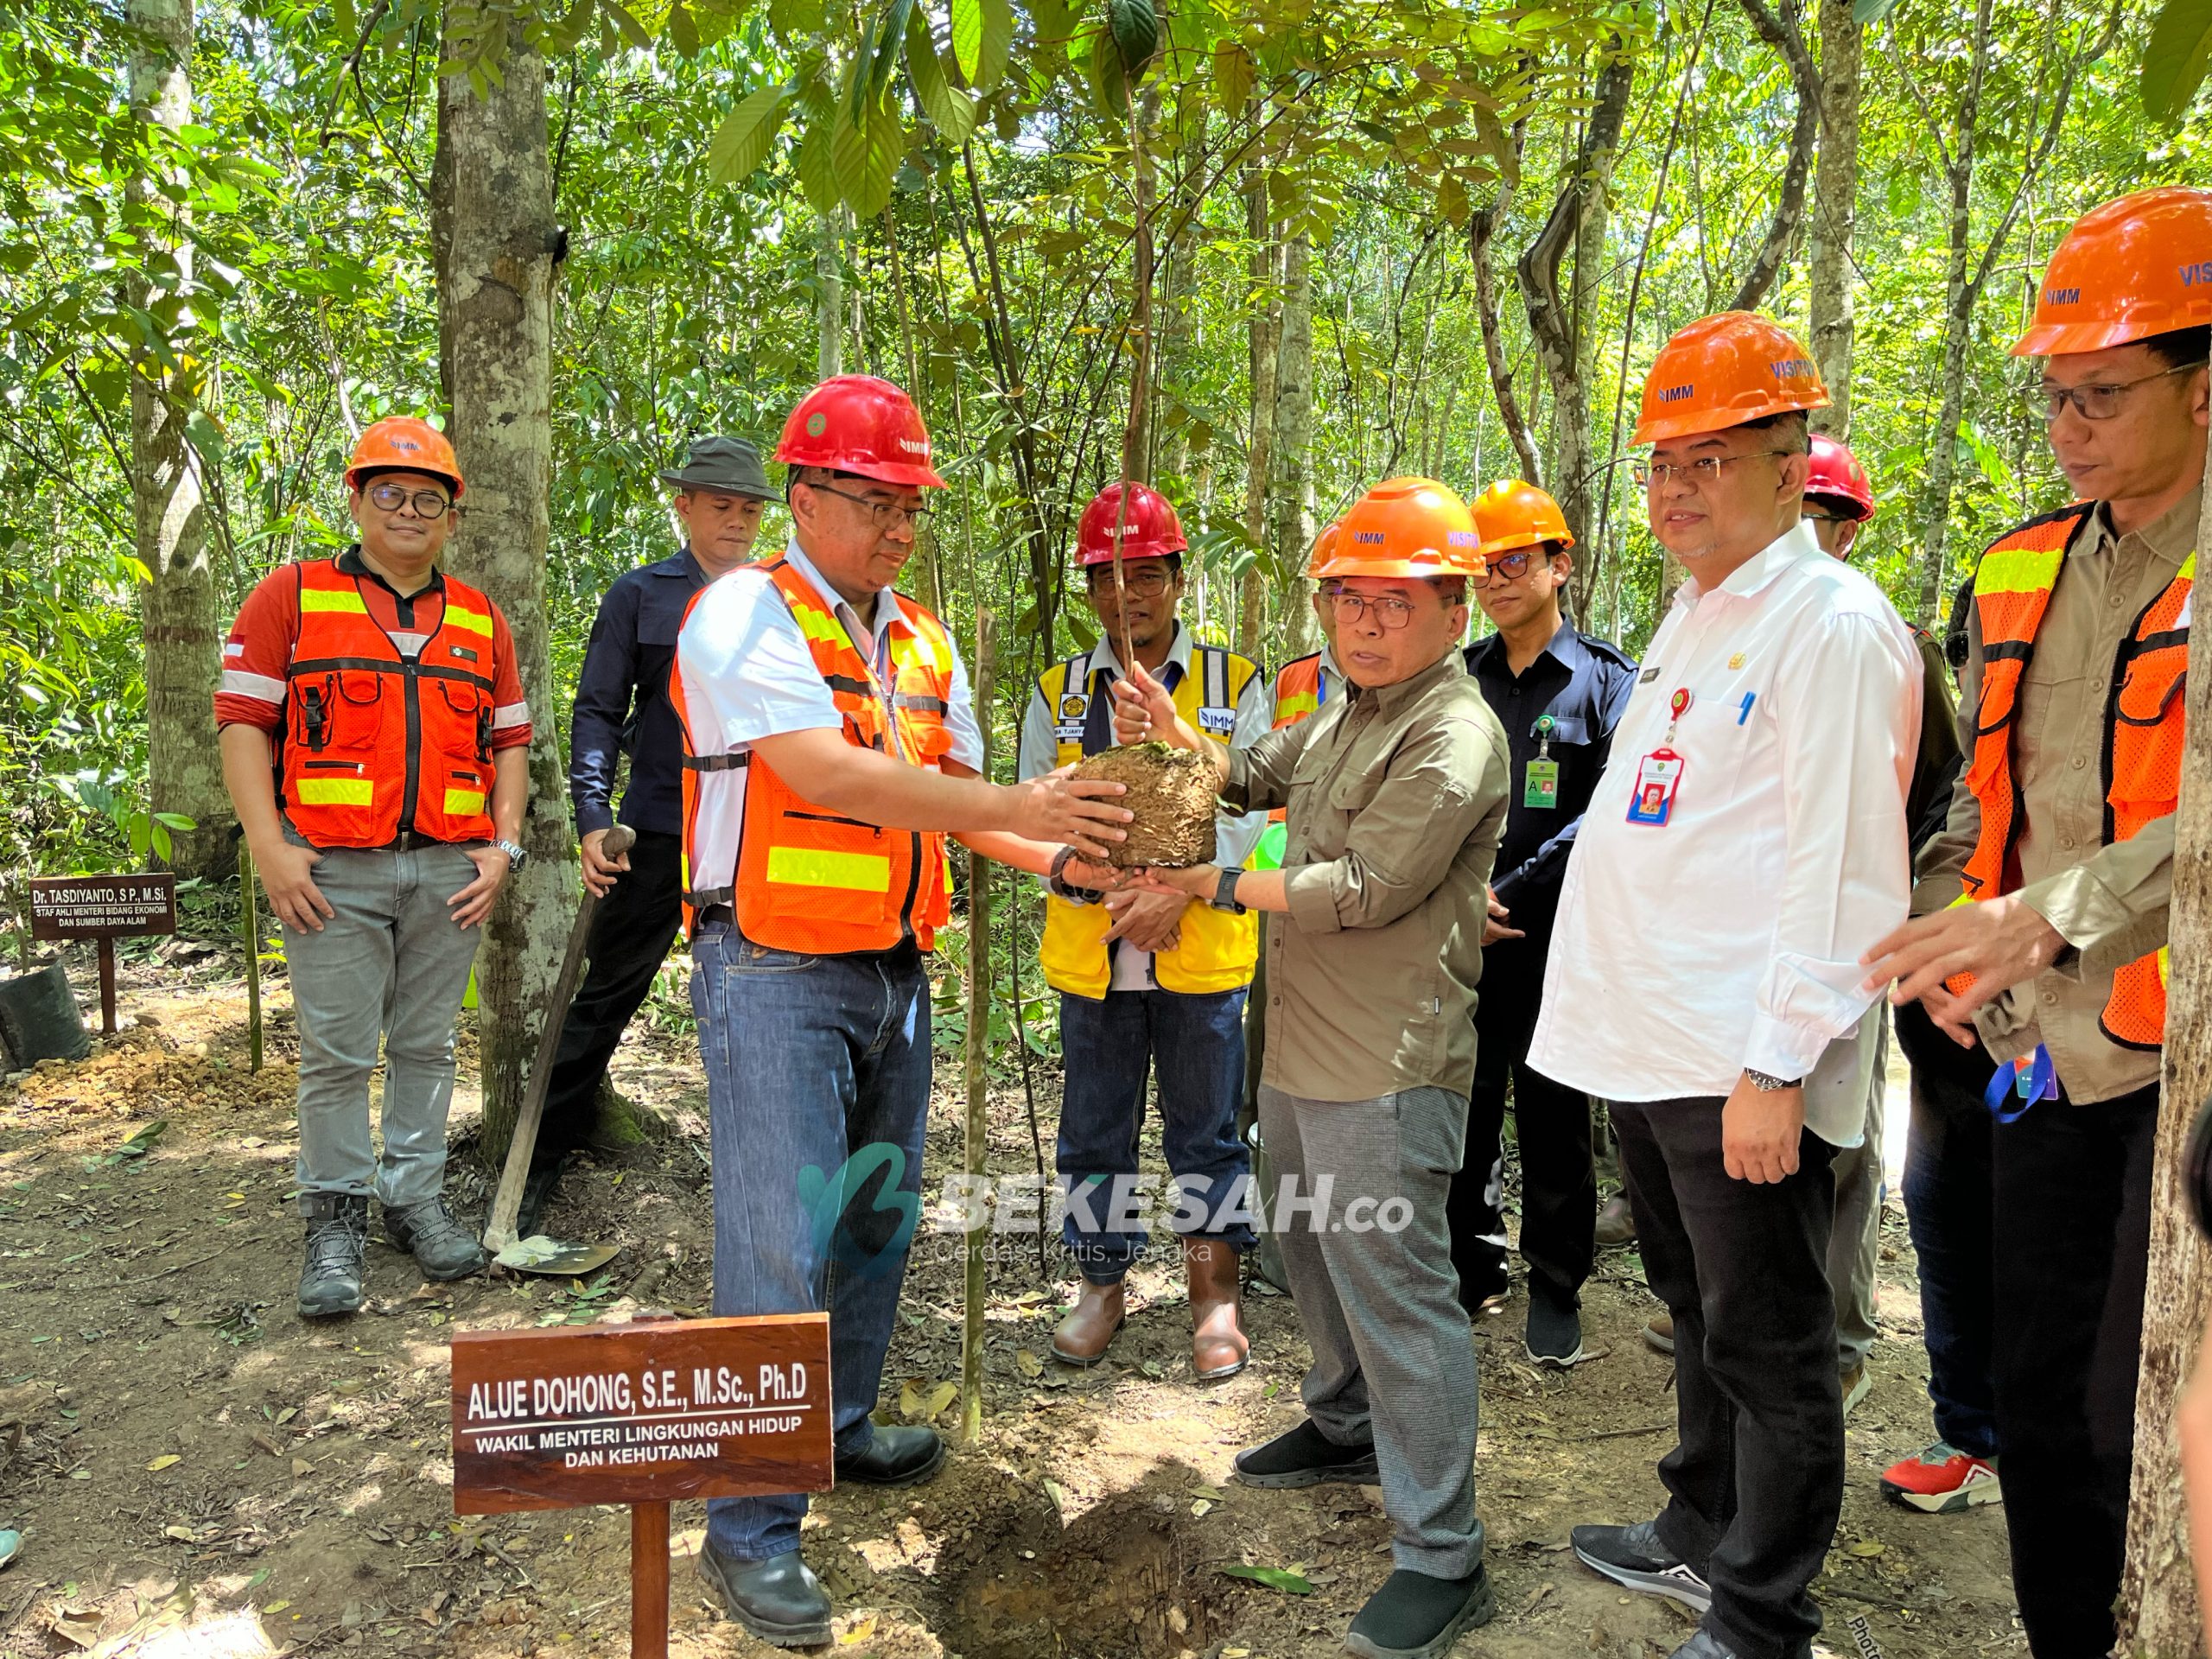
(1292, 463)
(1835, 209)
(1482, 231)
(180, 619)
(1783, 33)
(830, 291)
(1554, 321)
(2158, 1592)
(1259, 447)
(1171, 450)
(492, 237)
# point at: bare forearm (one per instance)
(248, 761)
(1004, 847)
(861, 784)
(510, 791)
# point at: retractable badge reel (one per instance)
(1539, 784)
(1659, 775)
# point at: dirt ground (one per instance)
(198, 1472)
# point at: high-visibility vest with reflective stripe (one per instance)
(375, 741)
(1217, 950)
(2143, 736)
(1298, 689)
(801, 877)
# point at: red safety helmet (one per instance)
(1150, 528)
(1838, 479)
(403, 444)
(857, 423)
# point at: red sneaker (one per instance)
(1943, 1480)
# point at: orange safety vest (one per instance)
(2143, 735)
(377, 742)
(1298, 689)
(806, 879)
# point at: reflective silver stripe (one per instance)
(509, 714)
(239, 683)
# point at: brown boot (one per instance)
(1084, 1336)
(1219, 1345)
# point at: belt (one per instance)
(413, 841)
(718, 916)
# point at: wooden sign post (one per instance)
(106, 908)
(641, 1414)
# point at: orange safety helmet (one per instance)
(1404, 527)
(1324, 549)
(1723, 370)
(1510, 514)
(857, 423)
(402, 443)
(2136, 267)
(1150, 528)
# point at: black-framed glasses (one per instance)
(2100, 402)
(888, 515)
(1148, 582)
(1390, 611)
(389, 496)
(1702, 473)
(1511, 567)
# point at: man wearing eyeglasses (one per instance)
(1746, 845)
(831, 747)
(376, 744)
(1558, 692)
(622, 709)
(1149, 982)
(2043, 904)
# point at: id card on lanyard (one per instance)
(1659, 775)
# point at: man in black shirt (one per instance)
(1558, 692)
(622, 708)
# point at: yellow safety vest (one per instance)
(1217, 950)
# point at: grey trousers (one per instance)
(1855, 1243)
(1369, 1261)
(391, 963)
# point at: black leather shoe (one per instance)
(900, 1455)
(1414, 1616)
(778, 1599)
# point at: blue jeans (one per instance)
(1948, 1206)
(1107, 1047)
(812, 1061)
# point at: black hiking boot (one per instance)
(439, 1245)
(337, 1251)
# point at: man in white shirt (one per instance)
(1747, 842)
(830, 748)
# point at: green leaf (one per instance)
(1274, 1577)
(967, 37)
(857, 73)
(632, 30)
(1867, 13)
(1135, 28)
(817, 173)
(889, 45)
(1109, 86)
(865, 159)
(683, 32)
(951, 111)
(994, 45)
(342, 18)
(2175, 59)
(747, 134)
(566, 34)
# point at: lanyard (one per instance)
(2030, 1080)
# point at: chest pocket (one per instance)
(1713, 736)
(339, 712)
(1566, 731)
(659, 630)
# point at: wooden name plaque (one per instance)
(102, 906)
(640, 1413)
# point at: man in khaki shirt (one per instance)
(2063, 830)
(1396, 794)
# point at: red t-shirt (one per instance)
(260, 649)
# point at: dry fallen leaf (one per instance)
(860, 1630)
(909, 1401)
(940, 1396)
(163, 1462)
(301, 1468)
(1027, 1363)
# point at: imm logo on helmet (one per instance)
(2073, 295)
(1372, 538)
(1675, 394)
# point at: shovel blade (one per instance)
(556, 1260)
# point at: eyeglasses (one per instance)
(888, 515)
(1147, 584)
(1701, 474)
(1390, 611)
(428, 504)
(1511, 567)
(2094, 403)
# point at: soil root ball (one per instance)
(1171, 792)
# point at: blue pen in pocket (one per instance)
(1744, 713)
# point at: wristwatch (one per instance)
(1766, 1083)
(1061, 887)
(1224, 894)
(517, 856)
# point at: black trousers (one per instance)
(1559, 1177)
(1755, 1483)
(2072, 1238)
(629, 935)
